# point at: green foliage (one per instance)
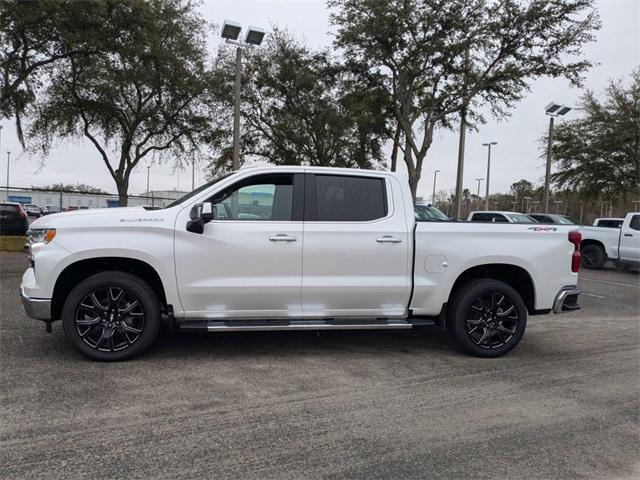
(301, 107)
(150, 91)
(599, 153)
(521, 188)
(438, 59)
(71, 187)
(34, 36)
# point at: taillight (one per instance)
(21, 212)
(575, 237)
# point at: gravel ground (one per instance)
(387, 405)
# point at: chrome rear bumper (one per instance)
(38, 308)
(567, 299)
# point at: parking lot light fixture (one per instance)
(231, 32)
(486, 196)
(553, 110)
(254, 36)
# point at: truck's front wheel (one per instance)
(487, 318)
(111, 316)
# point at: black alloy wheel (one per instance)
(110, 319)
(111, 316)
(491, 320)
(486, 317)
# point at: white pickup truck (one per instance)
(293, 248)
(620, 245)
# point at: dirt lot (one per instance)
(388, 405)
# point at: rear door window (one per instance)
(347, 198)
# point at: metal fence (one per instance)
(69, 200)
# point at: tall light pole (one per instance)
(148, 169)
(433, 196)
(8, 159)
(193, 174)
(479, 180)
(0, 151)
(230, 32)
(581, 210)
(486, 197)
(553, 110)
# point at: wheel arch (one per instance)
(591, 241)
(82, 269)
(513, 275)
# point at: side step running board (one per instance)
(275, 325)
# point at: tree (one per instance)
(437, 58)
(521, 188)
(599, 153)
(301, 107)
(150, 93)
(70, 187)
(34, 35)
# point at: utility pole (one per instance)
(486, 197)
(148, 169)
(433, 196)
(581, 209)
(461, 141)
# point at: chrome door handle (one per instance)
(388, 239)
(281, 237)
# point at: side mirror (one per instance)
(200, 214)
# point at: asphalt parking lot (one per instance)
(387, 405)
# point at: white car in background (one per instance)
(500, 217)
(620, 245)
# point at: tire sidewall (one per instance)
(457, 327)
(598, 252)
(137, 287)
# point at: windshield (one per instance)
(197, 191)
(428, 213)
(565, 220)
(521, 218)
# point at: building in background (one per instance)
(67, 200)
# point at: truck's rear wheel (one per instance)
(593, 256)
(111, 316)
(487, 318)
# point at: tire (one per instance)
(593, 256)
(111, 316)
(486, 318)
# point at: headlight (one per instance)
(41, 235)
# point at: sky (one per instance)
(517, 155)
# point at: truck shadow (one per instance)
(296, 343)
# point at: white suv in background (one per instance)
(500, 217)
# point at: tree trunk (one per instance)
(122, 184)
(394, 151)
(414, 174)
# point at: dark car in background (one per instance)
(554, 218)
(13, 219)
